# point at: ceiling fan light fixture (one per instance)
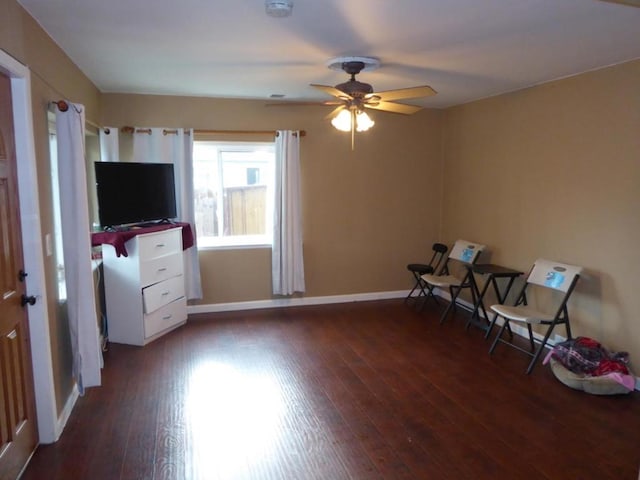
(278, 8)
(342, 121)
(363, 122)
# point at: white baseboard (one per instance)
(66, 412)
(358, 297)
(293, 302)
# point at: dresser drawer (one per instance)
(162, 293)
(159, 244)
(165, 317)
(161, 268)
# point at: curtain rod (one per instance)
(245, 132)
(128, 129)
(148, 131)
(63, 106)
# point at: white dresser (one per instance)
(144, 291)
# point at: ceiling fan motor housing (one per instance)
(353, 87)
(353, 67)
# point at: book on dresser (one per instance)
(144, 288)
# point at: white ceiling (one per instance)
(464, 49)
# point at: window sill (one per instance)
(232, 244)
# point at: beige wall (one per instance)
(366, 213)
(53, 76)
(554, 171)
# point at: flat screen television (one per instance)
(133, 193)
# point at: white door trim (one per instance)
(48, 428)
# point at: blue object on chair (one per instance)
(545, 274)
(463, 253)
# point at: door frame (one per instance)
(49, 429)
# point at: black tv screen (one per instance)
(130, 193)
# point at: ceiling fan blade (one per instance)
(631, 3)
(412, 92)
(394, 107)
(332, 91)
(335, 111)
(299, 104)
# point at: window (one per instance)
(57, 248)
(233, 190)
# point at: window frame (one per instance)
(230, 242)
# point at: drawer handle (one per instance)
(160, 245)
(164, 294)
(163, 269)
(12, 335)
(167, 317)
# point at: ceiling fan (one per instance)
(353, 97)
(354, 94)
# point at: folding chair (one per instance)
(418, 269)
(463, 253)
(547, 275)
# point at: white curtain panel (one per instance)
(175, 145)
(287, 263)
(155, 145)
(109, 144)
(188, 214)
(83, 321)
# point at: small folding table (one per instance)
(493, 272)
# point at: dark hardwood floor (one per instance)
(351, 391)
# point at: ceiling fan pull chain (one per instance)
(353, 129)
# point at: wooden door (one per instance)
(18, 437)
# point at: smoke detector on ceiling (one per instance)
(278, 8)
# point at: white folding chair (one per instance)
(463, 253)
(544, 274)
